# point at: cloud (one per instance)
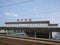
(11, 14)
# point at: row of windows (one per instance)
(27, 24)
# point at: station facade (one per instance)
(40, 29)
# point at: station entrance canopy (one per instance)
(32, 29)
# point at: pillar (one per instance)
(7, 32)
(49, 35)
(35, 34)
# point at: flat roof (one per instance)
(24, 22)
(32, 22)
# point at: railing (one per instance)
(11, 40)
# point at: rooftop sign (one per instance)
(24, 20)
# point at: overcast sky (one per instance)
(10, 10)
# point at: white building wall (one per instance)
(27, 25)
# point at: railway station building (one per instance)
(39, 29)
